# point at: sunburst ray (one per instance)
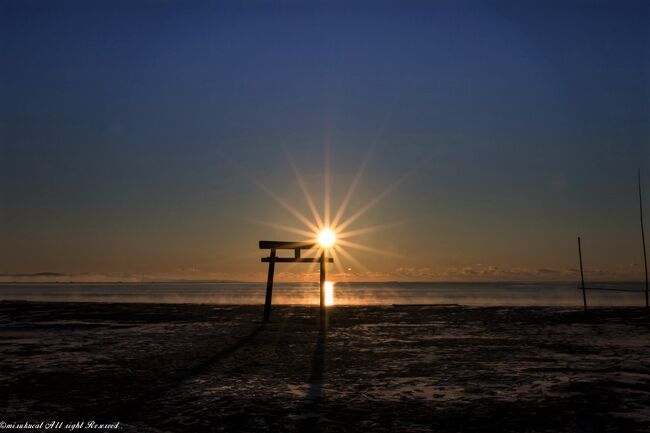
(327, 186)
(371, 229)
(283, 227)
(351, 189)
(312, 265)
(305, 191)
(388, 190)
(295, 212)
(362, 247)
(337, 263)
(351, 258)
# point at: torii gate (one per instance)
(272, 259)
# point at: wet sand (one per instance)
(199, 368)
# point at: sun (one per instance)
(326, 238)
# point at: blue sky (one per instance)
(129, 132)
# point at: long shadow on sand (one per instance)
(310, 411)
(130, 410)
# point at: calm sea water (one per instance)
(521, 294)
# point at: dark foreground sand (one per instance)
(197, 368)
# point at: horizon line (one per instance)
(178, 281)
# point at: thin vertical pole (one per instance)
(582, 276)
(645, 257)
(323, 278)
(269, 287)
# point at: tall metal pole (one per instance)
(582, 276)
(645, 257)
(323, 279)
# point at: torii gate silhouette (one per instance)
(272, 259)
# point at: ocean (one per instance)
(358, 293)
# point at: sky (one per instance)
(149, 140)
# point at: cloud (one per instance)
(486, 272)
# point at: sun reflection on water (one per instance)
(329, 293)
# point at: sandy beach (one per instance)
(180, 368)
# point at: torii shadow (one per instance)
(311, 407)
(130, 410)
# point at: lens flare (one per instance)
(326, 238)
(329, 293)
(324, 232)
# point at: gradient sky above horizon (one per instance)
(129, 132)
